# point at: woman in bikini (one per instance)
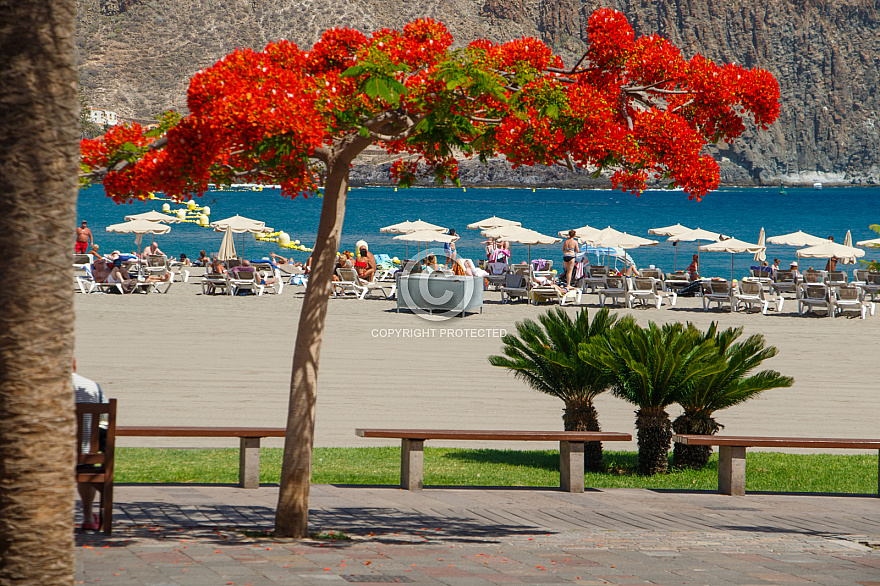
(569, 254)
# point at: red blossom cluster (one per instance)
(633, 106)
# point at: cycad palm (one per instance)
(723, 389)
(545, 356)
(651, 368)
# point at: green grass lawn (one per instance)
(454, 466)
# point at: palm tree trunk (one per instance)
(39, 157)
(693, 457)
(654, 437)
(581, 415)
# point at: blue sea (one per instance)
(735, 212)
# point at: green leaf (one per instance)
(354, 70)
(552, 111)
(129, 147)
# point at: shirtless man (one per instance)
(83, 239)
(152, 249)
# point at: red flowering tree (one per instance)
(299, 118)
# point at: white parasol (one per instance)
(427, 236)
(139, 228)
(153, 216)
(798, 238)
(697, 234)
(829, 249)
(673, 230)
(493, 222)
(761, 255)
(240, 225)
(407, 226)
(847, 241)
(529, 238)
(873, 243)
(227, 247)
(733, 246)
(583, 233)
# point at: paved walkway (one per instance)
(174, 534)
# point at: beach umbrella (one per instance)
(407, 226)
(829, 249)
(674, 230)
(583, 233)
(427, 236)
(669, 230)
(139, 228)
(733, 246)
(798, 238)
(240, 225)
(611, 238)
(873, 243)
(528, 237)
(761, 255)
(697, 234)
(847, 241)
(153, 216)
(493, 222)
(227, 246)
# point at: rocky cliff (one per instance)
(136, 57)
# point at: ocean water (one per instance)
(731, 211)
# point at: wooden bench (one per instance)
(571, 449)
(732, 453)
(249, 451)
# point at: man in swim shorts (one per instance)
(83, 239)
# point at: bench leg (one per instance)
(732, 470)
(249, 462)
(412, 463)
(878, 473)
(571, 466)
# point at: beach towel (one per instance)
(539, 264)
(499, 255)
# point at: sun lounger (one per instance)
(786, 282)
(815, 296)
(849, 297)
(648, 290)
(614, 288)
(750, 292)
(718, 292)
(515, 285)
(214, 282)
(554, 293)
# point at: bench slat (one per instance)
(491, 434)
(777, 442)
(160, 431)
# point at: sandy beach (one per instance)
(190, 359)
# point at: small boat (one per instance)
(817, 185)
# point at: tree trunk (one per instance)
(581, 415)
(654, 437)
(39, 157)
(292, 514)
(694, 457)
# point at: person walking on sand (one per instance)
(569, 254)
(84, 239)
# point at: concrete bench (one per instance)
(732, 453)
(249, 445)
(571, 449)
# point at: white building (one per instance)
(103, 117)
